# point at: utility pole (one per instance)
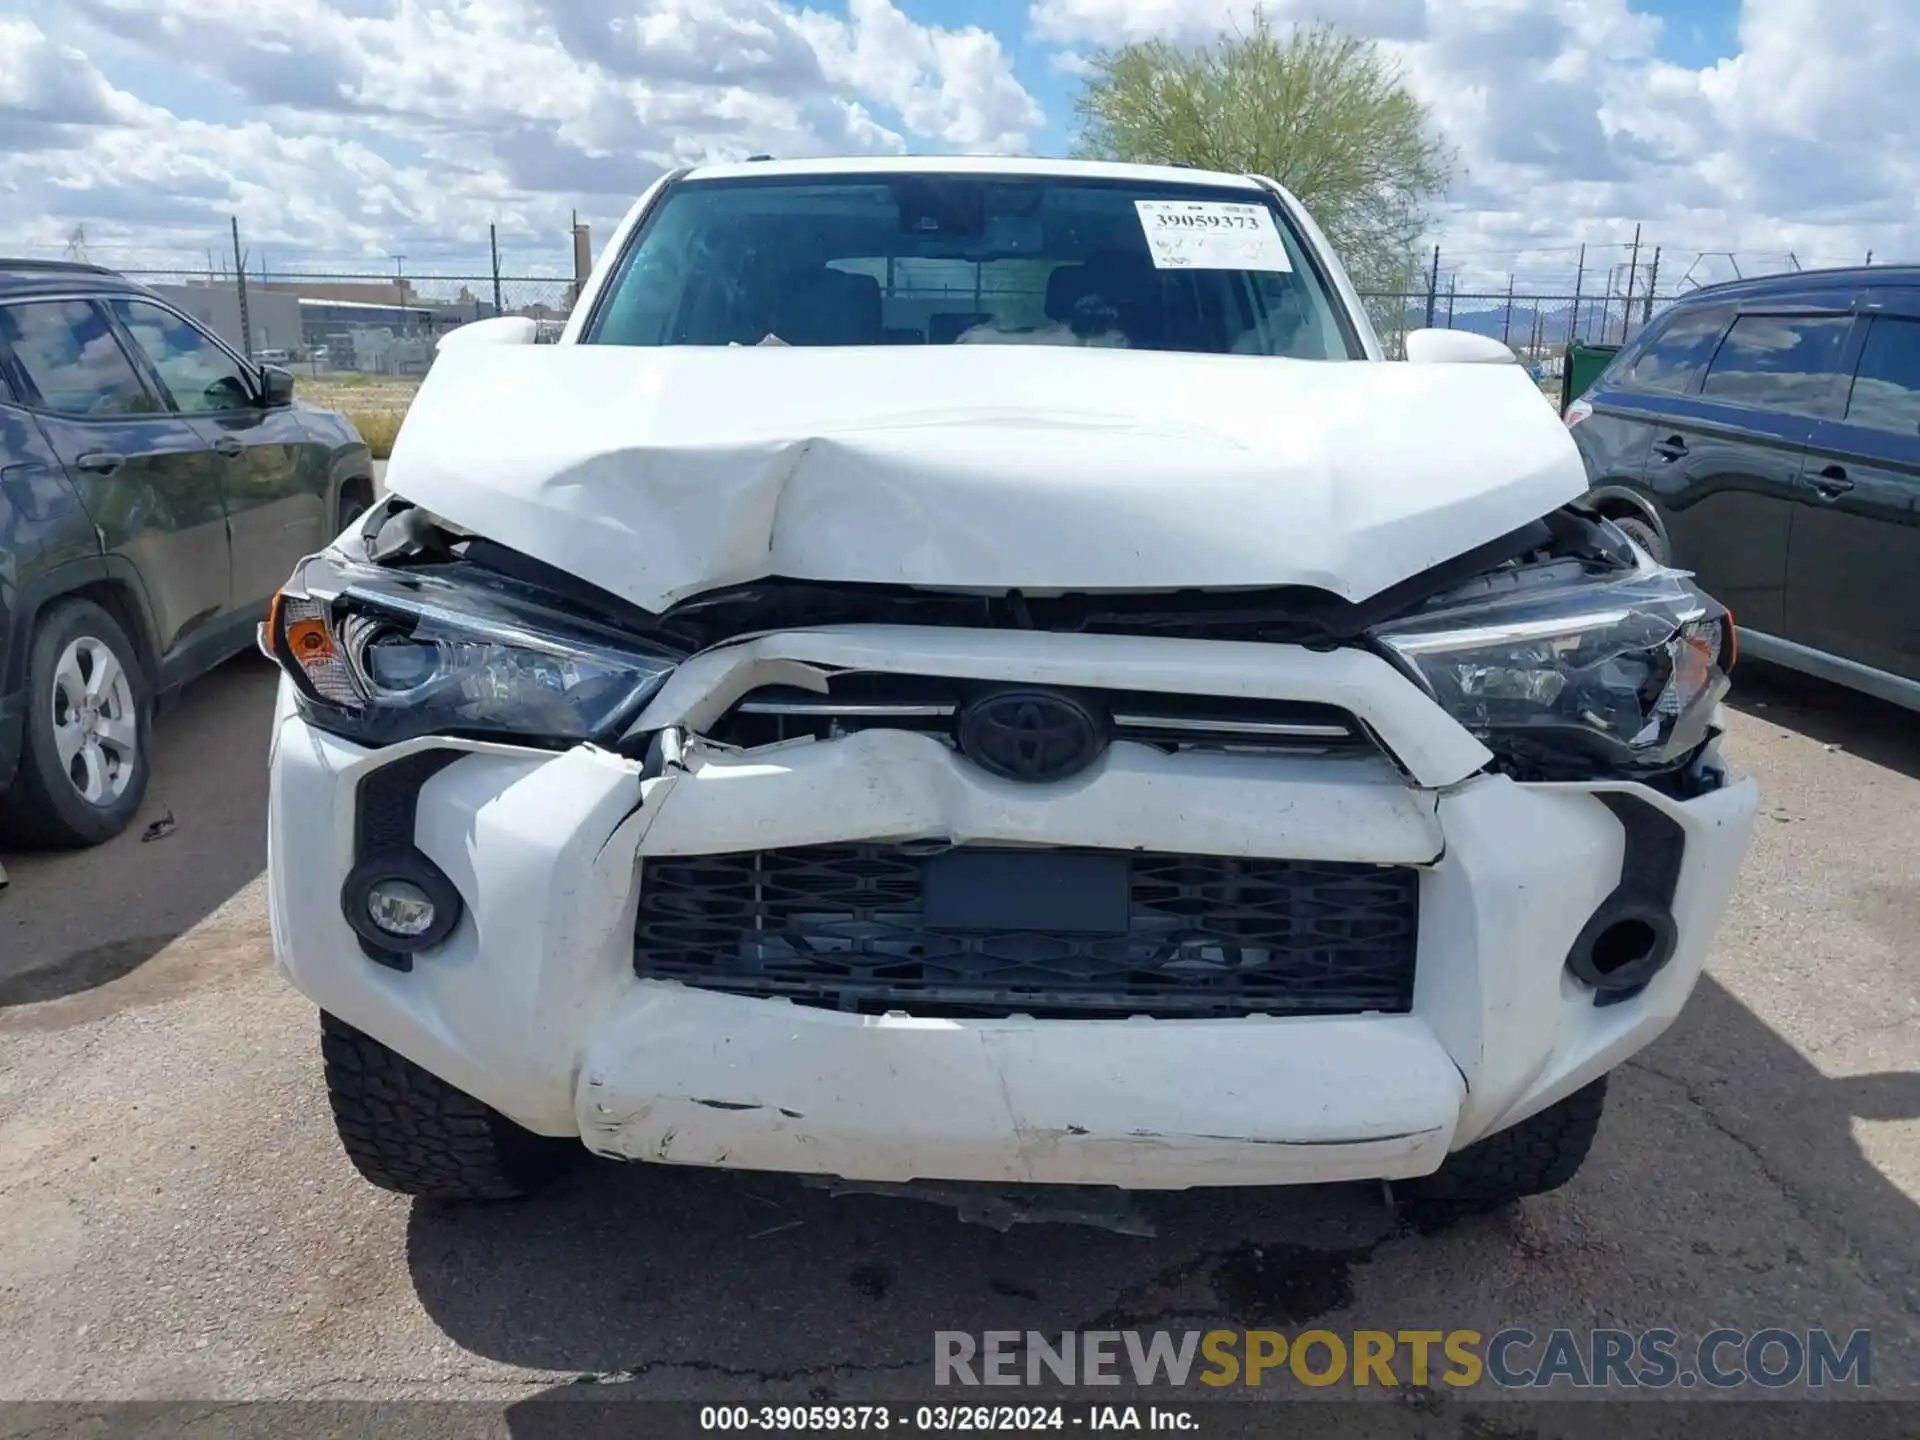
(399, 281)
(1653, 282)
(240, 281)
(582, 260)
(1433, 286)
(493, 246)
(1579, 276)
(1633, 266)
(1506, 325)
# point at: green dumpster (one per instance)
(1581, 368)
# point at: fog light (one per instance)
(399, 903)
(400, 908)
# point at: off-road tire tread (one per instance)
(1539, 1154)
(356, 498)
(409, 1131)
(1642, 533)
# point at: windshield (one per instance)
(967, 260)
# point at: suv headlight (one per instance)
(383, 655)
(1615, 676)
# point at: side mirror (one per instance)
(276, 387)
(1456, 347)
(500, 330)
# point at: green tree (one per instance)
(1325, 114)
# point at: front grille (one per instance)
(842, 927)
(932, 704)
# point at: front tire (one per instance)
(356, 498)
(1642, 533)
(408, 1131)
(1541, 1153)
(83, 769)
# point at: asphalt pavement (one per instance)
(176, 1220)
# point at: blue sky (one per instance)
(1697, 33)
(348, 130)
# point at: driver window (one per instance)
(201, 376)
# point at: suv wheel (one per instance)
(83, 771)
(411, 1132)
(1642, 533)
(1539, 1154)
(356, 498)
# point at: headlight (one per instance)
(383, 655)
(1619, 676)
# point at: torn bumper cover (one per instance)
(534, 1003)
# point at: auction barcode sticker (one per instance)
(1211, 235)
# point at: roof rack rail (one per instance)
(24, 263)
(754, 159)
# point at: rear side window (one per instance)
(1886, 389)
(1778, 362)
(1673, 357)
(69, 352)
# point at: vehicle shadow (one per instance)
(1875, 730)
(1726, 1182)
(74, 920)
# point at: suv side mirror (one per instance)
(498, 330)
(1456, 347)
(276, 387)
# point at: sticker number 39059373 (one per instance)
(1211, 235)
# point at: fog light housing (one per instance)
(399, 904)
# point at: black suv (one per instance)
(155, 490)
(1766, 435)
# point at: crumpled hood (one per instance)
(657, 474)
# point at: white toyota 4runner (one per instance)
(980, 670)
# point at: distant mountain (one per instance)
(1517, 331)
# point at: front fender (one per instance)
(1614, 499)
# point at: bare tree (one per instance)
(1324, 113)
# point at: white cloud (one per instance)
(389, 123)
(955, 86)
(51, 94)
(1570, 128)
(374, 126)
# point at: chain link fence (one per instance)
(345, 324)
(1538, 328)
(360, 341)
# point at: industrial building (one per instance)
(274, 320)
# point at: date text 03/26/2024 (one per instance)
(991, 1419)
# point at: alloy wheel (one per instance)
(95, 729)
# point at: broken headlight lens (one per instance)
(381, 655)
(1614, 676)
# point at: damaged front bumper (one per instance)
(533, 1003)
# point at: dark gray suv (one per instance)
(1766, 436)
(155, 490)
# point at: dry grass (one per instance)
(351, 392)
(379, 428)
(376, 404)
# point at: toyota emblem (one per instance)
(1032, 735)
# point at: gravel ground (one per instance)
(176, 1221)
